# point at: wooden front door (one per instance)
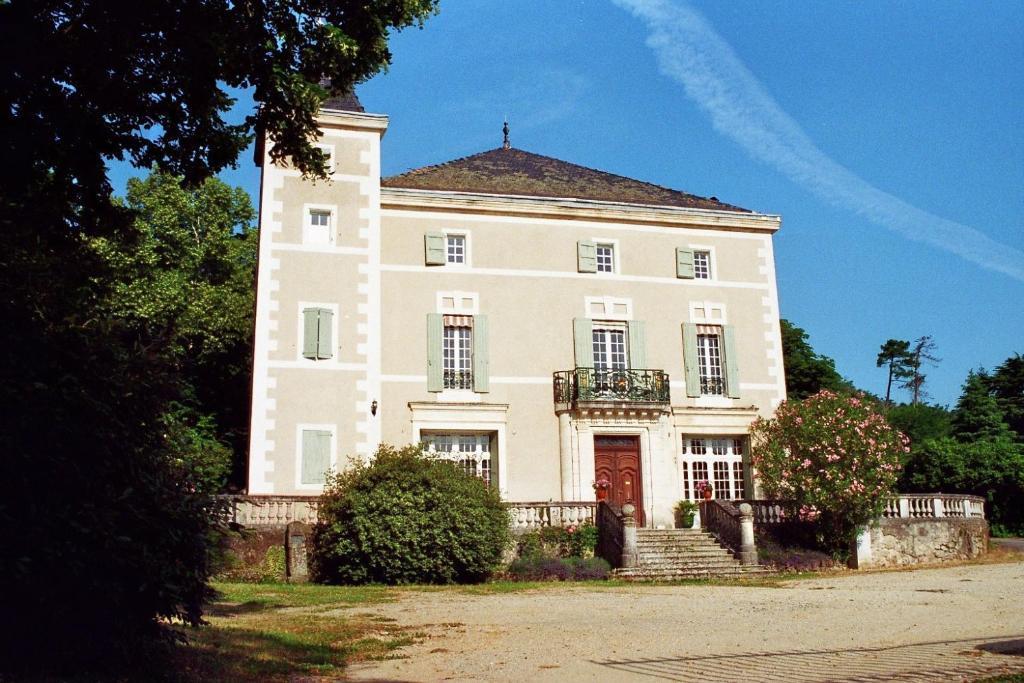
(617, 459)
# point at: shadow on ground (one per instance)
(935, 660)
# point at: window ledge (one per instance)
(458, 396)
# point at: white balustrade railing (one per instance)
(905, 506)
(933, 506)
(253, 511)
(256, 511)
(551, 513)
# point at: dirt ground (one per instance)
(955, 623)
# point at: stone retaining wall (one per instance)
(900, 542)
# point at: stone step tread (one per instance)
(683, 553)
(681, 549)
(640, 571)
(686, 556)
(695, 546)
(686, 565)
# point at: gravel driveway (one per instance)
(957, 623)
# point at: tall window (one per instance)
(709, 361)
(719, 457)
(457, 356)
(702, 265)
(605, 258)
(456, 249)
(609, 349)
(472, 452)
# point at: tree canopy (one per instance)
(807, 373)
(122, 318)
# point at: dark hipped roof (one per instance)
(344, 102)
(515, 172)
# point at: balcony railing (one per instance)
(712, 386)
(590, 384)
(458, 379)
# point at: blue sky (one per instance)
(868, 126)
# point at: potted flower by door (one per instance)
(601, 487)
(685, 511)
(705, 490)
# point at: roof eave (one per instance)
(583, 209)
(352, 119)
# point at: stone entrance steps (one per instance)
(675, 554)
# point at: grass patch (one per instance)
(275, 632)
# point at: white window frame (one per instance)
(712, 264)
(606, 327)
(718, 448)
(301, 427)
(704, 361)
(463, 417)
(463, 362)
(300, 331)
(466, 245)
(307, 227)
(613, 244)
(457, 456)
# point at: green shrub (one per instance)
(685, 511)
(546, 568)
(555, 541)
(407, 518)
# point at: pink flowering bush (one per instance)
(834, 456)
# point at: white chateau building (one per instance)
(548, 326)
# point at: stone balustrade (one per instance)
(534, 515)
(934, 505)
(265, 511)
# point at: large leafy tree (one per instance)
(105, 533)
(807, 373)
(1006, 383)
(981, 456)
(183, 278)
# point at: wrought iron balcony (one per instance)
(458, 379)
(590, 384)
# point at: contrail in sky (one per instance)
(690, 51)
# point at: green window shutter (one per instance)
(316, 455)
(310, 323)
(637, 345)
(434, 249)
(324, 341)
(583, 336)
(684, 263)
(732, 367)
(586, 256)
(690, 359)
(481, 360)
(435, 365)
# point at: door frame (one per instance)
(642, 463)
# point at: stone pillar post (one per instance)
(629, 551)
(904, 504)
(748, 551)
(938, 509)
(295, 551)
(861, 555)
(565, 454)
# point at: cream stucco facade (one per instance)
(347, 260)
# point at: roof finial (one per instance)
(506, 144)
